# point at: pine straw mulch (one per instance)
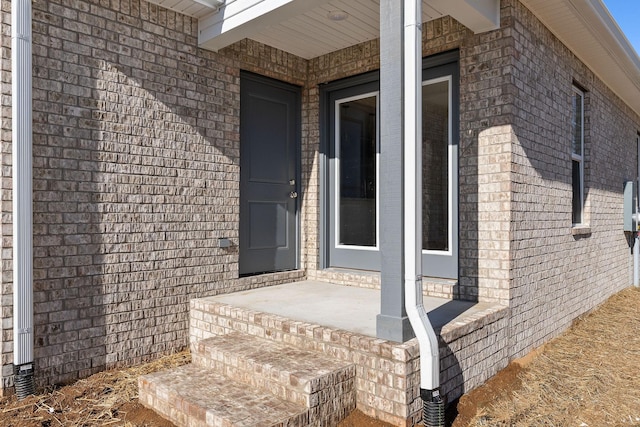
(588, 377)
(107, 398)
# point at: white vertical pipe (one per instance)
(428, 342)
(21, 129)
(636, 208)
(636, 260)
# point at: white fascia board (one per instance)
(477, 15)
(611, 26)
(607, 31)
(240, 19)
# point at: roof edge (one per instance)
(610, 23)
(615, 50)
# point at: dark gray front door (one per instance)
(269, 137)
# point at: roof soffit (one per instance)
(303, 27)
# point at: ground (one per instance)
(589, 376)
(105, 399)
(108, 399)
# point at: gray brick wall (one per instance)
(135, 178)
(558, 274)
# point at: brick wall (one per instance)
(560, 272)
(6, 299)
(136, 176)
(486, 99)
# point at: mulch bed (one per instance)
(587, 377)
(108, 398)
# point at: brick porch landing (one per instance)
(350, 308)
(309, 325)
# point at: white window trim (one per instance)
(580, 159)
(449, 80)
(336, 201)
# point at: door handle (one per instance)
(293, 195)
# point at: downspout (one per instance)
(21, 134)
(636, 234)
(636, 260)
(433, 405)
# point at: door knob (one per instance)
(293, 194)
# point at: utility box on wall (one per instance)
(630, 222)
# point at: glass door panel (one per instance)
(356, 142)
(440, 172)
(436, 189)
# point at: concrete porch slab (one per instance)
(349, 308)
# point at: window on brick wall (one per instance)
(577, 155)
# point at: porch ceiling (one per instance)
(304, 27)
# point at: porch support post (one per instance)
(392, 323)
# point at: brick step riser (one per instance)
(297, 334)
(324, 388)
(164, 392)
(272, 384)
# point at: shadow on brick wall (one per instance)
(135, 179)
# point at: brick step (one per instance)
(244, 380)
(304, 377)
(194, 396)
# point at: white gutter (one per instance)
(428, 342)
(21, 134)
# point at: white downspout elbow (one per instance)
(21, 134)
(433, 414)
